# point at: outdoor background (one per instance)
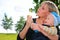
(13, 15)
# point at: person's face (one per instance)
(49, 20)
(43, 10)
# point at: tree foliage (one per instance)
(37, 4)
(7, 22)
(20, 24)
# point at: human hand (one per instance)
(35, 26)
(29, 20)
(41, 26)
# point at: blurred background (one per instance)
(13, 15)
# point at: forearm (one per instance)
(51, 37)
(51, 30)
(22, 34)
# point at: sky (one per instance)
(14, 9)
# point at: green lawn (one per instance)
(8, 36)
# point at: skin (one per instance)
(49, 20)
(51, 37)
(42, 13)
(27, 26)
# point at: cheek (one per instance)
(41, 13)
(48, 22)
(51, 23)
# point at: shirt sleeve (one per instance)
(51, 30)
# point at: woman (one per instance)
(42, 12)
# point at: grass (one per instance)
(8, 36)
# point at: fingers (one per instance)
(35, 26)
(29, 20)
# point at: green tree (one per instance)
(59, 4)
(37, 4)
(7, 22)
(20, 24)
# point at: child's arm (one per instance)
(49, 30)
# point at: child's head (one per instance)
(52, 19)
(49, 20)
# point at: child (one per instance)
(49, 25)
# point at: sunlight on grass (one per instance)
(8, 36)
